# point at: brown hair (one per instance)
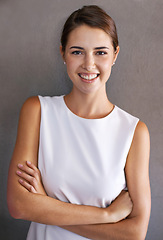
(92, 16)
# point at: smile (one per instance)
(90, 76)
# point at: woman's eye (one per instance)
(76, 52)
(101, 53)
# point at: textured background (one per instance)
(30, 64)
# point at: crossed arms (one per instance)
(28, 200)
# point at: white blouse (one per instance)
(81, 160)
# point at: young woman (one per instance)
(76, 155)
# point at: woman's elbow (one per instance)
(15, 204)
(140, 230)
(14, 207)
(140, 235)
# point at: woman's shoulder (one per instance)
(125, 113)
(32, 101)
(35, 104)
(139, 127)
(141, 131)
(126, 119)
(31, 110)
(31, 104)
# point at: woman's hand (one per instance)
(30, 178)
(121, 207)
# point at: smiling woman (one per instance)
(89, 61)
(80, 164)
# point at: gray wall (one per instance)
(30, 64)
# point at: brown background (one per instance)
(30, 64)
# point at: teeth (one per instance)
(88, 77)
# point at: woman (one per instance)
(86, 149)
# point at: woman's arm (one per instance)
(40, 208)
(137, 176)
(135, 227)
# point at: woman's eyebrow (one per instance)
(96, 48)
(77, 47)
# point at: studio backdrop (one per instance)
(30, 65)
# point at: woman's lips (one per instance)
(88, 77)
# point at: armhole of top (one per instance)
(132, 137)
(133, 133)
(40, 133)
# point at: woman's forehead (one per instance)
(85, 35)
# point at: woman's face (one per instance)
(89, 56)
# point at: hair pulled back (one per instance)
(92, 16)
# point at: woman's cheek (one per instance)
(106, 65)
(72, 63)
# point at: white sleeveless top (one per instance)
(81, 160)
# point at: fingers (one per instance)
(25, 184)
(30, 176)
(30, 169)
(26, 177)
(32, 166)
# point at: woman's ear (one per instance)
(62, 53)
(116, 54)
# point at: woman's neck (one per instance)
(92, 105)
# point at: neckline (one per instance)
(87, 119)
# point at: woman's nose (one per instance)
(89, 62)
